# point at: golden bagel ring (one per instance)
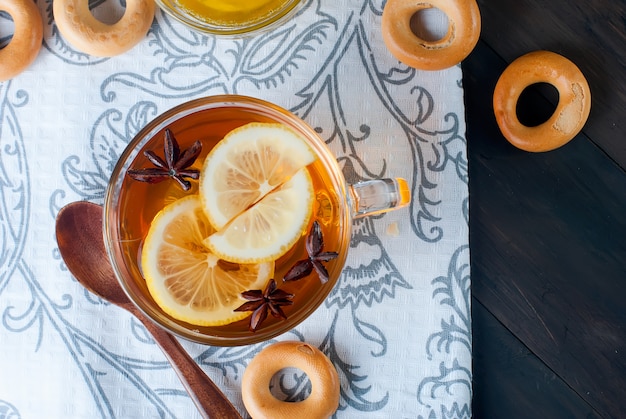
(259, 401)
(570, 114)
(87, 34)
(461, 38)
(23, 48)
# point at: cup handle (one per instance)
(378, 196)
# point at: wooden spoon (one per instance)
(79, 235)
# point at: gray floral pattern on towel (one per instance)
(307, 66)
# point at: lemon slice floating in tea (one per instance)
(246, 165)
(257, 192)
(270, 227)
(185, 279)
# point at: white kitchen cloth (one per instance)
(397, 326)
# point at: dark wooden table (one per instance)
(548, 230)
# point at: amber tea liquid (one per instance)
(237, 13)
(139, 202)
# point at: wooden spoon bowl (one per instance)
(80, 240)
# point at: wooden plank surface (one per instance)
(510, 381)
(547, 231)
(590, 33)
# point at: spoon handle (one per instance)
(207, 397)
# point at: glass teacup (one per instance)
(130, 207)
(228, 17)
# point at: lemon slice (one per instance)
(185, 279)
(250, 162)
(269, 228)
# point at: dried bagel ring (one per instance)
(460, 39)
(87, 34)
(259, 401)
(23, 48)
(571, 112)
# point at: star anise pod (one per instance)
(314, 247)
(261, 302)
(174, 165)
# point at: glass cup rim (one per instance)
(111, 218)
(271, 21)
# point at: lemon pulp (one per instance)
(257, 192)
(185, 278)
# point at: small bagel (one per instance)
(87, 34)
(259, 401)
(571, 112)
(460, 39)
(23, 48)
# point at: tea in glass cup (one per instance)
(189, 189)
(230, 17)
